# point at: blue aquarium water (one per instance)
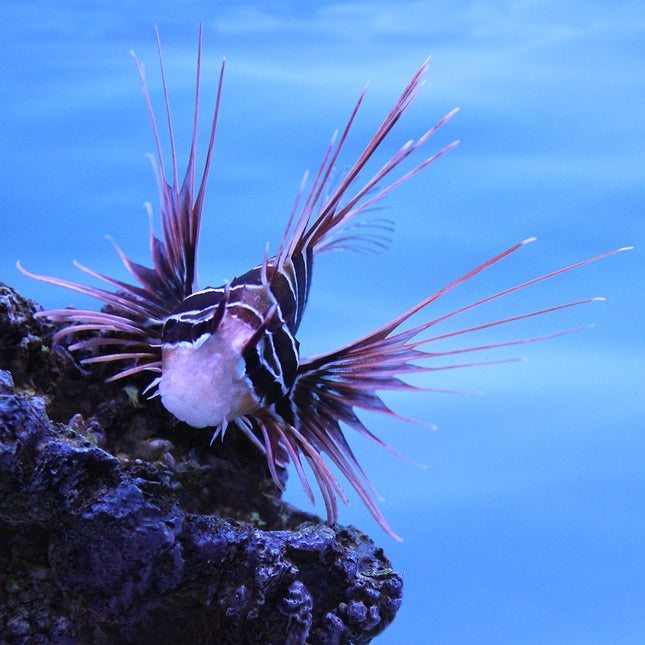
(528, 524)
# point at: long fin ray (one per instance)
(329, 388)
(173, 275)
(337, 213)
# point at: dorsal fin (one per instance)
(334, 216)
(175, 255)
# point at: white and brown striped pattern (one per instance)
(268, 300)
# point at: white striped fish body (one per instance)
(228, 356)
(231, 351)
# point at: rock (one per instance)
(119, 524)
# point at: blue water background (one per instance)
(528, 524)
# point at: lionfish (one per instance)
(228, 357)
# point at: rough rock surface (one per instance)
(121, 525)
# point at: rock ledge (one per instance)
(121, 525)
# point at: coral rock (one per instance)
(120, 525)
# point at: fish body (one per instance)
(232, 351)
(228, 357)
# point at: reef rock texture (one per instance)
(120, 525)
